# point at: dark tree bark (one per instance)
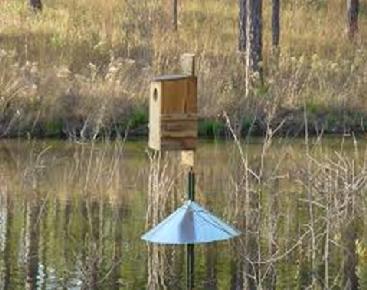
(36, 5)
(275, 23)
(352, 17)
(254, 43)
(174, 14)
(242, 25)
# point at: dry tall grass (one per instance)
(86, 64)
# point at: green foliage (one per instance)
(53, 129)
(287, 276)
(211, 128)
(362, 264)
(56, 41)
(138, 118)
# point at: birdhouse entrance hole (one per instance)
(155, 95)
(173, 113)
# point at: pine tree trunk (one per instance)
(275, 23)
(36, 5)
(254, 44)
(352, 17)
(174, 14)
(242, 25)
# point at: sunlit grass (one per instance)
(318, 65)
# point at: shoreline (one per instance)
(286, 124)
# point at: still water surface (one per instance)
(71, 217)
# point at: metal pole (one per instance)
(191, 185)
(190, 259)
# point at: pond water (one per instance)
(71, 215)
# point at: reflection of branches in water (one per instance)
(211, 279)
(331, 189)
(162, 198)
(99, 267)
(6, 200)
(35, 205)
(92, 251)
(272, 209)
(32, 238)
(7, 158)
(31, 242)
(236, 271)
(294, 234)
(101, 171)
(339, 184)
(247, 197)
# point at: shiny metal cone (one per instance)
(190, 224)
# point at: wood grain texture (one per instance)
(188, 158)
(179, 143)
(173, 122)
(179, 96)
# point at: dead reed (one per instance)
(80, 69)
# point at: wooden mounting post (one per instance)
(188, 64)
(188, 162)
(188, 68)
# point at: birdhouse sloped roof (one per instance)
(170, 78)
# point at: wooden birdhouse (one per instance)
(173, 113)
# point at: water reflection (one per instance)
(71, 216)
(7, 219)
(32, 236)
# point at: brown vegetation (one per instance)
(81, 68)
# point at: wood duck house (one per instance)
(173, 121)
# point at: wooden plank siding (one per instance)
(173, 114)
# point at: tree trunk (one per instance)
(352, 17)
(174, 14)
(36, 5)
(242, 25)
(254, 43)
(275, 23)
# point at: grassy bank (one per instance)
(82, 68)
